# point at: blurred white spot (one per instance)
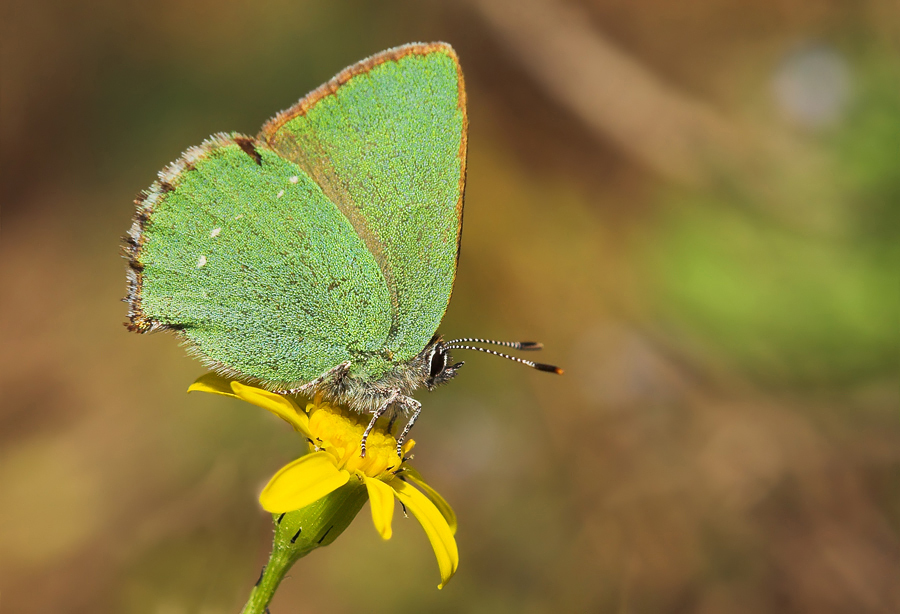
(214, 233)
(618, 369)
(491, 446)
(812, 86)
(239, 216)
(280, 194)
(201, 261)
(294, 179)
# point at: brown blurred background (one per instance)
(695, 206)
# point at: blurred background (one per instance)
(695, 206)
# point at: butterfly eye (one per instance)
(438, 362)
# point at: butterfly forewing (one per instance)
(386, 142)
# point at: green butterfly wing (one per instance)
(245, 256)
(386, 142)
(332, 237)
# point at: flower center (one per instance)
(339, 432)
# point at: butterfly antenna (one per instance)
(516, 345)
(534, 365)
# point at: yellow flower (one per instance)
(333, 435)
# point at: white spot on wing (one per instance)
(294, 179)
(201, 261)
(214, 233)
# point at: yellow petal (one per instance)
(436, 528)
(439, 502)
(297, 484)
(408, 445)
(213, 383)
(381, 499)
(282, 406)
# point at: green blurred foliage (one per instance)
(796, 307)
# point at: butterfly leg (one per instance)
(394, 395)
(335, 375)
(417, 409)
(390, 428)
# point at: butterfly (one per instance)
(319, 255)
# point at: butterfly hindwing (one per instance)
(386, 142)
(239, 250)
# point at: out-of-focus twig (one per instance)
(679, 137)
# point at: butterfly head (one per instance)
(439, 364)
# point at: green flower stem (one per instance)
(300, 532)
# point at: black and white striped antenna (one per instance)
(516, 345)
(519, 345)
